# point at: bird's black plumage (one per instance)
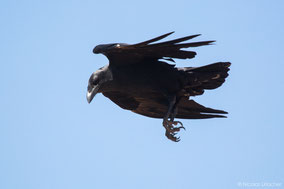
(138, 79)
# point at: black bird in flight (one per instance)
(138, 78)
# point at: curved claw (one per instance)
(172, 136)
(177, 122)
(182, 127)
(175, 129)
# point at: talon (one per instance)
(175, 129)
(172, 137)
(171, 130)
(179, 123)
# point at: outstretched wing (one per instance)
(121, 54)
(157, 107)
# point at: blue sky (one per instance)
(50, 137)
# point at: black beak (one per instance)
(92, 93)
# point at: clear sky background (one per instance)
(50, 137)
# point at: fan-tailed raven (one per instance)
(138, 79)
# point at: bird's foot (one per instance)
(172, 129)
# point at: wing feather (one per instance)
(152, 40)
(175, 41)
(157, 107)
(147, 51)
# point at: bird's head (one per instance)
(97, 79)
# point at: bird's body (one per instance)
(137, 79)
(131, 79)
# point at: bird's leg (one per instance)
(173, 115)
(169, 125)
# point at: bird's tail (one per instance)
(210, 76)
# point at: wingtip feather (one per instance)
(152, 40)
